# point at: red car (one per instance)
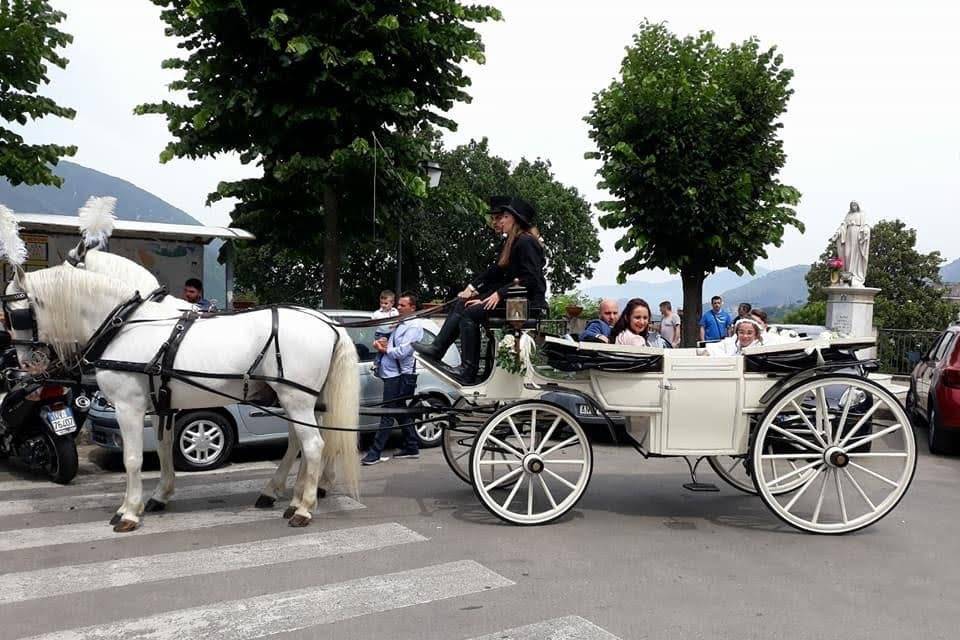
(935, 392)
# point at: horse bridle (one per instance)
(20, 319)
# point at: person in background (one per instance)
(743, 311)
(669, 324)
(383, 331)
(716, 322)
(633, 327)
(598, 330)
(193, 293)
(398, 369)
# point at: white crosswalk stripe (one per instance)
(302, 608)
(566, 628)
(29, 585)
(113, 500)
(118, 480)
(153, 523)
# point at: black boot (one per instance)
(469, 351)
(447, 336)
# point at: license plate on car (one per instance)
(62, 421)
(585, 410)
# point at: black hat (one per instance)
(522, 210)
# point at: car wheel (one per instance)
(937, 439)
(431, 433)
(203, 440)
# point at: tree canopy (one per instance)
(29, 40)
(445, 239)
(688, 140)
(911, 289)
(301, 90)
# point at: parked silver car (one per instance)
(204, 438)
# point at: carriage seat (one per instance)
(566, 355)
(796, 356)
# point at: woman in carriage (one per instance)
(521, 259)
(633, 327)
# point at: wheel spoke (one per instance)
(190, 449)
(786, 456)
(507, 477)
(843, 505)
(550, 431)
(860, 422)
(529, 495)
(883, 454)
(871, 438)
(843, 416)
(513, 493)
(859, 489)
(823, 487)
(546, 490)
(814, 430)
(563, 444)
(533, 430)
(500, 443)
(458, 457)
(736, 461)
(875, 474)
(561, 479)
(823, 415)
(565, 461)
(803, 489)
(795, 472)
(516, 432)
(793, 436)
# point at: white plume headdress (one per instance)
(97, 219)
(12, 246)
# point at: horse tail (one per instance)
(341, 399)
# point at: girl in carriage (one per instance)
(747, 331)
(520, 258)
(633, 327)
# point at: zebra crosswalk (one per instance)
(308, 607)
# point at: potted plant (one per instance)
(574, 310)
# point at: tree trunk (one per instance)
(331, 250)
(692, 305)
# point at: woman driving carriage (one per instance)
(521, 258)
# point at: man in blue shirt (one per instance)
(716, 322)
(193, 293)
(599, 330)
(398, 369)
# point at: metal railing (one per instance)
(900, 350)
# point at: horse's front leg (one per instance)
(131, 429)
(278, 482)
(164, 491)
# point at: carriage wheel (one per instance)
(531, 462)
(737, 472)
(856, 455)
(457, 443)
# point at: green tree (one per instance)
(29, 40)
(909, 281)
(688, 138)
(301, 90)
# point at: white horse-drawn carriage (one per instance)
(801, 424)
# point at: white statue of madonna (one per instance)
(853, 246)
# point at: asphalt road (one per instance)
(418, 558)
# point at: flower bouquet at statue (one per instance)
(835, 264)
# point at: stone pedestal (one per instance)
(850, 312)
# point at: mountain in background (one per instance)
(133, 203)
(951, 272)
(672, 290)
(783, 287)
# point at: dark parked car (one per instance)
(934, 395)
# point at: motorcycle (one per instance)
(40, 419)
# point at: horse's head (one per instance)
(20, 320)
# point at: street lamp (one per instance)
(433, 172)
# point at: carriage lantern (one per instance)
(517, 305)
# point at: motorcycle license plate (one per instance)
(62, 421)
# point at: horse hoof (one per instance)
(153, 506)
(264, 502)
(321, 492)
(288, 513)
(115, 519)
(125, 526)
(299, 521)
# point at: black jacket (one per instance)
(527, 263)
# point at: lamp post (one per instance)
(434, 172)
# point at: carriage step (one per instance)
(700, 487)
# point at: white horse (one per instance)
(125, 270)
(69, 304)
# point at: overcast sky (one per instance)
(874, 117)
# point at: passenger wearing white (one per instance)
(747, 332)
(633, 327)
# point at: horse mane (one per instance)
(122, 269)
(60, 296)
